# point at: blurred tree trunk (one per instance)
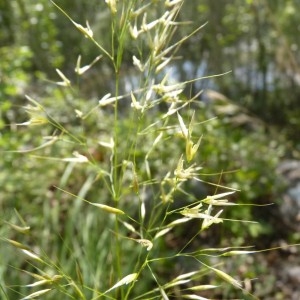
(7, 36)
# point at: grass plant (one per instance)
(117, 219)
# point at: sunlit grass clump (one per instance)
(119, 220)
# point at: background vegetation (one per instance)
(257, 127)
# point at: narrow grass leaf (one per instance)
(78, 290)
(79, 273)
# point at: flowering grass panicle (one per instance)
(115, 205)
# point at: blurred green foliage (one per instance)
(257, 40)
